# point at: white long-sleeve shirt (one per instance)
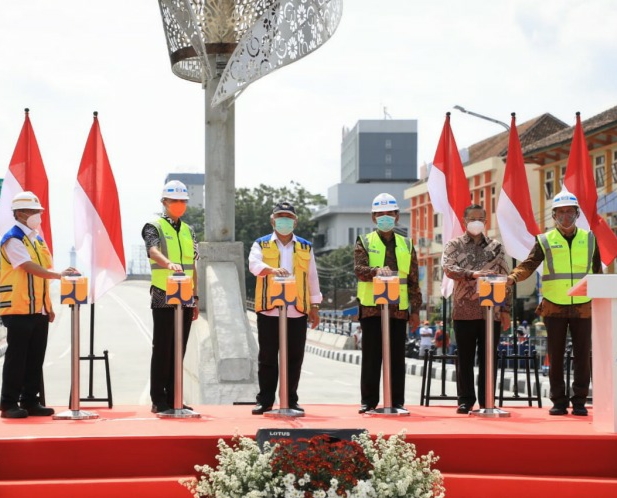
(257, 265)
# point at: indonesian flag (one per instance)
(580, 181)
(515, 217)
(448, 190)
(98, 229)
(26, 173)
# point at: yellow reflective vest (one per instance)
(22, 293)
(565, 264)
(376, 251)
(301, 260)
(175, 246)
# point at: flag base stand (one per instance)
(489, 412)
(388, 411)
(181, 413)
(284, 413)
(75, 415)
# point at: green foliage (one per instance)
(195, 217)
(336, 276)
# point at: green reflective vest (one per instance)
(175, 246)
(565, 264)
(376, 250)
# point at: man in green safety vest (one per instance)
(384, 252)
(171, 246)
(569, 254)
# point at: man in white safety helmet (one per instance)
(384, 252)
(172, 247)
(568, 253)
(25, 308)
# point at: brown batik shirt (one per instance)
(461, 258)
(365, 273)
(546, 307)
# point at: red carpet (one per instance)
(129, 452)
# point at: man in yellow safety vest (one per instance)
(569, 253)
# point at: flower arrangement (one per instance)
(318, 468)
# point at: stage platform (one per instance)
(130, 452)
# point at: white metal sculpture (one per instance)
(260, 35)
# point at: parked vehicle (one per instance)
(412, 348)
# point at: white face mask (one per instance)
(475, 227)
(34, 221)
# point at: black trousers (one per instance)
(268, 358)
(370, 374)
(163, 351)
(23, 360)
(580, 332)
(471, 337)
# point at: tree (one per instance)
(336, 276)
(195, 217)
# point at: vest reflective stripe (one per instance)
(301, 261)
(565, 264)
(175, 246)
(376, 251)
(22, 293)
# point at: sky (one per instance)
(418, 59)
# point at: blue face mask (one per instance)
(386, 223)
(284, 226)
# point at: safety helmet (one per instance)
(26, 200)
(563, 199)
(175, 189)
(383, 203)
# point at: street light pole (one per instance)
(514, 298)
(481, 116)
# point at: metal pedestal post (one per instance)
(178, 411)
(284, 410)
(387, 409)
(489, 358)
(74, 413)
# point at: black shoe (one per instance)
(260, 409)
(559, 410)
(579, 410)
(38, 410)
(160, 407)
(463, 409)
(184, 407)
(365, 408)
(14, 412)
(296, 406)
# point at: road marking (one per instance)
(140, 324)
(343, 383)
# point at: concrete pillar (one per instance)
(220, 162)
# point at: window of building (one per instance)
(388, 173)
(549, 184)
(493, 199)
(350, 236)
(614, 166)
(388, 143)
(599, 162)
(388, 159)
(437, 275)
(436, 220)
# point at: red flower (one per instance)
(323, 460)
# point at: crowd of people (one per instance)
(567, 254)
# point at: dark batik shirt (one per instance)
(461, 258)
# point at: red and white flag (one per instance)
(579, 180)
(98, 228)
(449, 191)
(26, 173)
(515, 218)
